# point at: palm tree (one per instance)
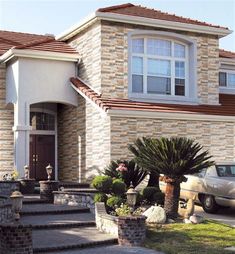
(173, 157)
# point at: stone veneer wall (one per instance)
(6, 124)
(217, 137)
(114, 61)
(67, 118)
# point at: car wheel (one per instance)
(209, 205)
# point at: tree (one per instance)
(174, 158)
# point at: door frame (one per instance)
(46, 132)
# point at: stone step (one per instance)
(33, 199)
(59, 220)
(66, 239)
(40, 209)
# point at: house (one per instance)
(76, 101)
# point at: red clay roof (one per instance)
(33, 42)
(226, 54)
(227, 107)
(140, 11)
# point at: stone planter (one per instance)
(131, 230)
(27, 186)
(46, 190)
(7, 187)
(16, 238)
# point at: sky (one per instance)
(55, 16)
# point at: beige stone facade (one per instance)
(6, 124)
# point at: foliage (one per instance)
(173, 157)
(11, 176)
(114, 201)
(153, 195)
(102, 183)
(208, 237)
(118, 187)
(128, 171)
(123, 210)
(100, 197)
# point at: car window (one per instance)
(226, 170)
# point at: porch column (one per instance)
(21, 136)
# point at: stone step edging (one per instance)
(65, 225)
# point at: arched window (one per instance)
(160, 67)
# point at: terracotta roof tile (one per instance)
(140, 11)
(226, 54)
(227, 107)
(10, 39)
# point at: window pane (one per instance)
(222, 79)
(179, 50)
(138, 45)
(42, 121)
(159, 47)
(137, 83)
(159, 85)
(231, 80)
(179, 86)
(137, 65)
(159, 67)
(179, 69)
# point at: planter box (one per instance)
(46, 190)
(7, 187)
(27, 186)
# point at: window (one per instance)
(159, 67)
(227, 79)
(42, 121)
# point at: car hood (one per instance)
(230, 179)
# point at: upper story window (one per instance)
(160, 67)
(227, 79)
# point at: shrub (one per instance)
(128, 172)
(102, 183)
(153, 195)
(114, 201)
(123, 210)
(100, 197)
(119, 187)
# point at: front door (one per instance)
(42, 153)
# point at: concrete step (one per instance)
(59, 220)
(40, 209)
(33, 199)
(67, 239)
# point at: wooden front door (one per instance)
(42, 153)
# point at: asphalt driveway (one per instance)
(224, 215)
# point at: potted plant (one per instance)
(26, 184)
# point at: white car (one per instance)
(213, 187)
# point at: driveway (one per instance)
(224, 215)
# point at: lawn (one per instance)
(208, 237)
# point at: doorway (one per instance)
(42, 153)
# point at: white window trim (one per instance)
(226, 89)
(189, 98)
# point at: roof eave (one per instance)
(49, 55)
(228, 61)
(66, 35)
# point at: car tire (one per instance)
(209, 204)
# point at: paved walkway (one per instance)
(110, 249)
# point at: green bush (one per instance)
(153, 195)
(100, 197)
(119, 187)
(114, 201)
(102, 183)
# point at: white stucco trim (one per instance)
(38, 54)
(226, 61)
(221, 32)
(170, 116)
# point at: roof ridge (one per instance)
(115, 7)
(26, 33)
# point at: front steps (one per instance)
(60, 227)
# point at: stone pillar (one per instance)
(21, 136)
(131, 230)
(16, 238)
(46, 190)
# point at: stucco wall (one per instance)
(6, 123)
(114, 61)
(217, 137)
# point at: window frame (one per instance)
(190, 67)
(227, 73)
